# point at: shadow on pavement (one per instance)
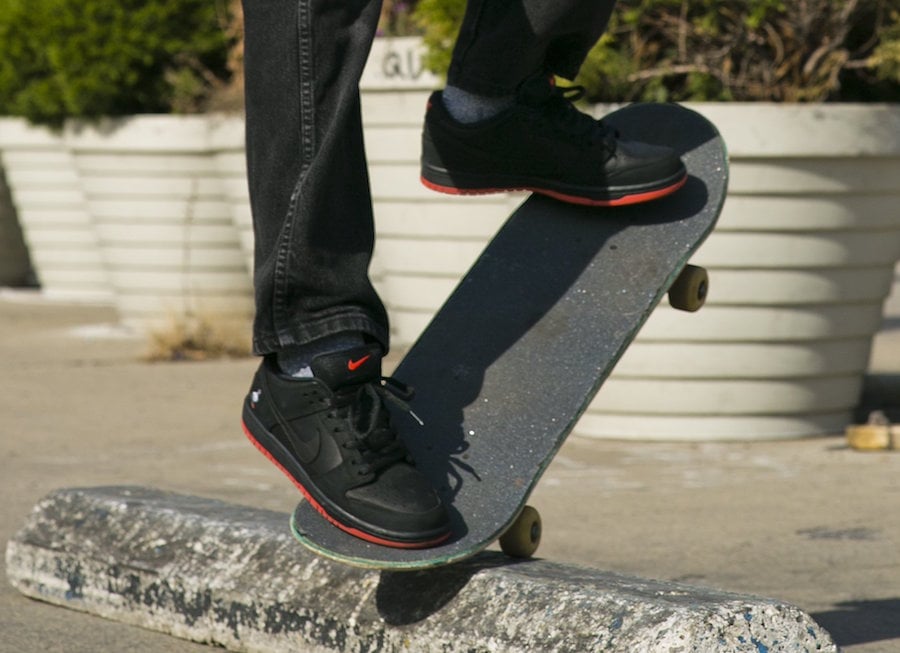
(862, 622)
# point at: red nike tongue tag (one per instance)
(354, 365)
(347, 367)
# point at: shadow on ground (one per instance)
(862, 622)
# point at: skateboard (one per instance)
(515, 355)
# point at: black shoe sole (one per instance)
(444, 181)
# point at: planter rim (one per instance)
(143, 133)
(17, 133)
(823, 130)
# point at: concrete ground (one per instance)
(810, 522)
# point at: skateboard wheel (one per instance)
(521, 539)
(688, 293)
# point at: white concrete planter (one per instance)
(52, 212)
(800, 265)
(163, 221)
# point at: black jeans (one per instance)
(309, 184)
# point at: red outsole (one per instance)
(347, 529)
(636, 198)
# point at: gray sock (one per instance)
(297, 360)
(467, 108)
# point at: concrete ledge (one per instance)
(234, 577)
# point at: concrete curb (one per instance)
(233, 576)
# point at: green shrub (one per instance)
(675, 50)
(440, 21)
(89, 58)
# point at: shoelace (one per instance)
(557, 103)
(374, 439)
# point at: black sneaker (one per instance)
(545, 145)
(333, 438)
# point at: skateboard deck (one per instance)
(517, 352)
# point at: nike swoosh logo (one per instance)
(306, 448)
(355, 365)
